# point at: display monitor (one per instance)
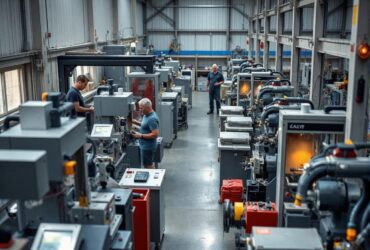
(56, 240)
(102, 131)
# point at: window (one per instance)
(11, 89)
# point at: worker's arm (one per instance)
(221, 81)
(152, 135)
(81, 109)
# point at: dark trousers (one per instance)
(214, 94)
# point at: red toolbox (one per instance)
(232, 189)
(260, 214)
(141, 219)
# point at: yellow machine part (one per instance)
(238, 210)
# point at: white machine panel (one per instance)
(154, 181)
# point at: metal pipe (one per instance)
(331, 166)
(276, 90)
(365, 217)
(8, 119)
(354, 215)
(294, 100)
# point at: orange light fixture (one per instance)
(363, 51)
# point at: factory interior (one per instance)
(184, 124)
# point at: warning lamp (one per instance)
(363, 51)
(262, 45)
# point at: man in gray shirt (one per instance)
(215, 79)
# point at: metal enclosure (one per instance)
(113, 105)
(233, 150)
(117, 73)
(175, 99)
(34, 115)
(166, 123)
(157, 202)
(185, 82)
(297, 143)
(145, 85)
(20, 169)
(57, 142)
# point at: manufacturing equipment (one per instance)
(166, 118)
(144, 85)
(45, 152)
(229, 111)
(111, 131)
(344, 218)
(233, 148)
(302, 134)
(174, 98)
(185, 82)
(151, 179)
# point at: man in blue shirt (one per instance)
(215, 79)
(74, 96)
(149, 131)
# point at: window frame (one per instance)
(22, 91)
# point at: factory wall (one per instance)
(200, 30)
(35, 33)
(11, 38)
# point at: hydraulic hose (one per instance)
(294, 100)
(101, 88)
(268, 83)
(330, 166)
(365, 217)
(328, 109)
(11, 118)
(359, 206)
(276, 90)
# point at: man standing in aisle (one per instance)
(149, 131)
(215, 79)
(76, 98)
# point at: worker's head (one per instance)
(214, 68)
(145, 106)
(81, 82)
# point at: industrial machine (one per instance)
(152, 179)
(145, 85)
(233, 148)
(302, 134)
(175, 64)
(344, 218)
(47, 156)
(185, 82)
(111, 131)
(174, 98)
(166, 118)
(229, 111)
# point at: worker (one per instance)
(76, 98)
(215, 79)
(149, 131)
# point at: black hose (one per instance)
(281, 81)
(328, 109)
(355, 213)
(269, 89)
(294, 100)
(365, 217)
(8, 119)
(102, 88)
(91, 168)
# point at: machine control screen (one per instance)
(56, 240)
(102, 131)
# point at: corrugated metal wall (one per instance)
(200, 19)
(67, 22)
(11, 34)
(139, 19)
(103, 19)
(124, 19)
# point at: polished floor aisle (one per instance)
(193, 215)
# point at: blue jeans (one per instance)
(214, 94)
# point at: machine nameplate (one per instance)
(297, 126)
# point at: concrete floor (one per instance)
(193, 215)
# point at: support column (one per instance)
(250, 37)
(258, 27)
(133, 18)
(266, 31)
(279, 31)
(357, 112)
(317, 58)
(228, 37)
(294, 60)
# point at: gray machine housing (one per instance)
(166, 123)
(296, 121)
(29, 169)
(114, 105)
(185, 82)
(57, 142)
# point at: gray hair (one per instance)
(145, 102)
(214, 65)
